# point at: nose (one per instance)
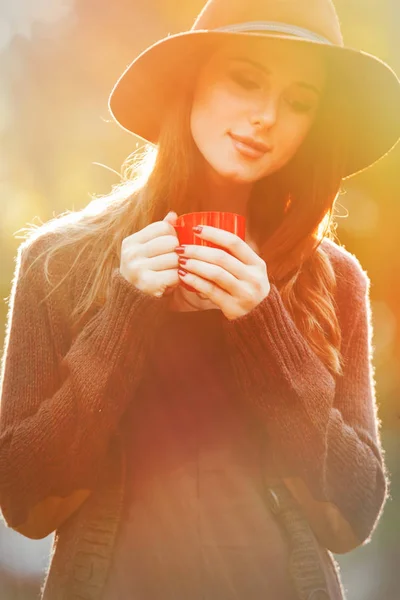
(265, 115)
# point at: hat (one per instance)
(139, 99)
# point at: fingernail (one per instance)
(197, 228)
(182, 273)
(180, 249)
(182, 260)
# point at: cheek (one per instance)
(202, 119)
(203, 130)
(287, 141)
(292, 137)
(213, 114)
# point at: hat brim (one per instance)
(140, 97)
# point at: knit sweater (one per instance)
(195, 523)
(64, 391)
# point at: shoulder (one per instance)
(33, 252)
(35, 245)
(49, 266)
(352, 278)
(62, 246)
(352, 294)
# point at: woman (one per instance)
(219, 443)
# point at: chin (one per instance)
(230, 172)
(237, 175)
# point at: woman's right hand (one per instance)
(148, 257)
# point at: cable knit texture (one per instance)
(64, 392)
(321, 428)
(59, 410)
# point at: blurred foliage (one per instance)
(58, 62)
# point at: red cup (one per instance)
(223, 220)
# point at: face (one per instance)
(254, 103)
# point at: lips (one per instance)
(260, 146)
(248, 147)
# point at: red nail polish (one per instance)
(197, 228)
(182, 260)
(182, 273)
(180, 249)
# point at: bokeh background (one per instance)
(58, 61)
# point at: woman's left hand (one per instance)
(236, 282)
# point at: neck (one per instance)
(219, 194)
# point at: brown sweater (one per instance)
(64, 392)
(195, 523)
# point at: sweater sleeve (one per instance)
(322, 430)
(59, 412)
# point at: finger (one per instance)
(218, 257)
(171, 218)
(231, 242)
(160, 282)
(161, 245)
(154, 230)
(162, 262)
(167, 278)
(207, 288)
(215, 274)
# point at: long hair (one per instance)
(289, 214)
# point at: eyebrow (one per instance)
(261, 67)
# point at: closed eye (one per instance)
(300, 107)
(244, 81)
(250, 83)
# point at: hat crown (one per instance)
(318, 16)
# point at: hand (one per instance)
(235, 280)
(184, 300)
(148, 260)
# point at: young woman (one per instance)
(222, 443)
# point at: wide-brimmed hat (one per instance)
(371, 88)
